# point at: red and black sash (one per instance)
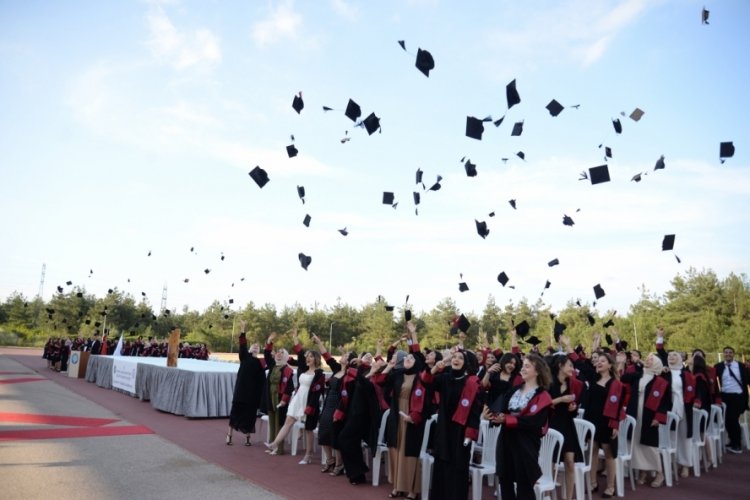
(539, 402)
(468, 394)
(688, 387)
(659, 386)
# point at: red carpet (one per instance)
(33, 418)
(74, 432)
(19, 380)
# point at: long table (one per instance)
(195, 389)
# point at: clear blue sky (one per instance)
(128, 127)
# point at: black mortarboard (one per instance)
(471, 169)
(568, 221)
(521, 155)
(97, 324)
(624, 345)
(407, 314)
(149, 254)
(110, 291)
(609, 322)
(425, 62)
(231, 301)
(419, 175)
(503, 278)
(60, 289)
(353, 111)
(659, 163)
(88, 321)
(307, 220)
(402, 43)
(608, 152)
(591, 319)
(668, 242)
(517, 129)
(389, 308)
(511, 94)
(618, 126)
(259, 176)
(512, 203)
(547, 284)
(297, 103)
(436, 186)
(636, 177)
(143, 294)
(463, 287)
(474, 128)
(522, 329)
(636, 114)
(499, 121)
(599, 174)
(387, 198)
(482, 228)
(68, 283)
(462, 323)
(726, 150)
(553, 262)
(372, 123)
(79, 295)
(533, 340)
(608, 338)
(416, 197)
(554, 107)
(598, 291)
(704, 16)
(301, 193)
(344, 232)
(304, 260)
(559, 330)
(207, 270)
(291, 151)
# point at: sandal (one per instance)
(229, 439)
(337, 470)
(328, 466)
(395, 494)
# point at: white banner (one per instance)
(123, 374)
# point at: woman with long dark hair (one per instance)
(328, 430)
(523, 412)
(248, 389)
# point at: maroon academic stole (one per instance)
(688, 387)
(614, 407)
(575, 387)
(461, 415)
(286, 377)
(659, 386)
(349, 377)
(316, 388)
(416, 401)
(539, 402)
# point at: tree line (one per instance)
(700, 310)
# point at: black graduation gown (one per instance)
(361, 424)
(450, 475)
(517, 452)
(649, 434)
(248, 389)
(562, 420)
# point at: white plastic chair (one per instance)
(487, 466)
(625, 442)
(549, 455)
(381, 448)
(425, 459)
(298, 431)
(476, 446)
(700, 426)
(585, 431)
(745, 430)
(724, 434)
(715, 426)
(668, 435)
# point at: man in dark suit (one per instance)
(734, 379)
(96, 346)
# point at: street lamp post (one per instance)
(330, 337)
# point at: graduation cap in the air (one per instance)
(637, 177)
(388, 198)
(591, 319)
(297, 103)
(568, 221)
(260, 177)
(598, 291)
(704, 16)
(533, 341)
(463, 287)
(407, 314)
(668, 242)
(460, 323)
(389, 308)
(513, 203)
(436, 186)
(608, 338)
(79, 295)
(304, 260)
(617, 125)
(371, 123)
(726, 149)
(511, 94)
(503, 278)
(608, 323)
(599, 174)
(554, 107)
(68, 283)
(517, 129)
(471, 169)
(417, 197)
(553, 262)
(522, 328)
(419, 176)
(307, 220)
(659, 163)
(474, 128)
(521, 155)
(60, 289)
(636, 114)
(558, 330)
(482, 228)
(291, 151)
(547, 284)
(353, 111)
(424, 62)
(344, 232)
(149, 254)
(607, 152)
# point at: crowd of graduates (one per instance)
(525, 394)
(57, 349)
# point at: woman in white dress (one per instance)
(305, 402)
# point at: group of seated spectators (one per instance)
(57, 349)
(457, 389)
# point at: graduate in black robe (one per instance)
(524, 413)
(248, 390)
(457, 424)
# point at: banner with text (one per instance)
(123, 374)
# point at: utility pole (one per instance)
(330, 337)
(164, 298)
(41, 281)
